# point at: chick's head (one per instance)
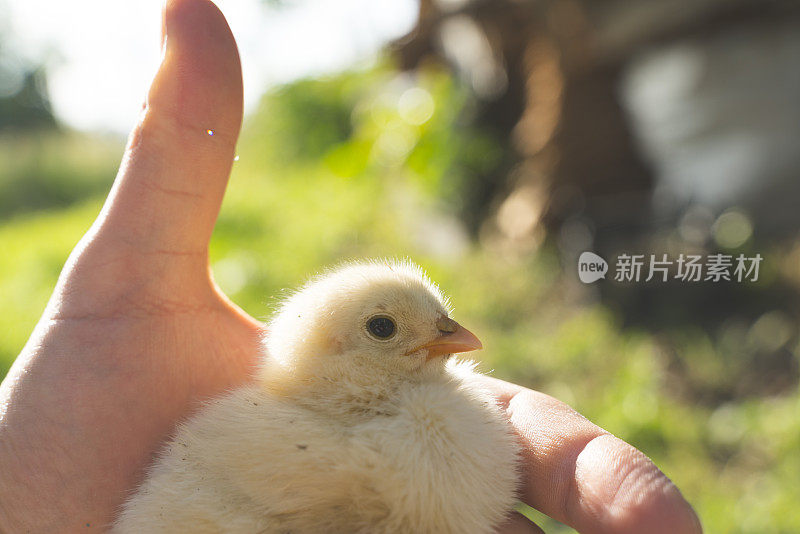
(382, 315)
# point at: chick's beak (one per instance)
(453, 339)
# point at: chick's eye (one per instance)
(381, 327)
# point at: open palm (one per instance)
(137, 334)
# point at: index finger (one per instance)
(581, 475)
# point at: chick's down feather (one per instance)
(358, 422)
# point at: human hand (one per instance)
(137, 333)
(579, 474)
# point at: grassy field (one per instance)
(334, 170)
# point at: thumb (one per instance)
(168, 192)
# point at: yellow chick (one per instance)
(359, 422)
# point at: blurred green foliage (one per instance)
(51, 169)
(374, 164)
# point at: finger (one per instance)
(519, 524)
(579, 474)
(173, 176)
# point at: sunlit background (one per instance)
(492, 142)
(115, 46)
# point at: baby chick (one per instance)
(359, 422)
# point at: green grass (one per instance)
(340, 197)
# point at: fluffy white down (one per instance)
(415, 450)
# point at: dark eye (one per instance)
(381, 327)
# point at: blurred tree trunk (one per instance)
(548, 79)
(572, 162)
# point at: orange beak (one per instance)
(454, 338)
